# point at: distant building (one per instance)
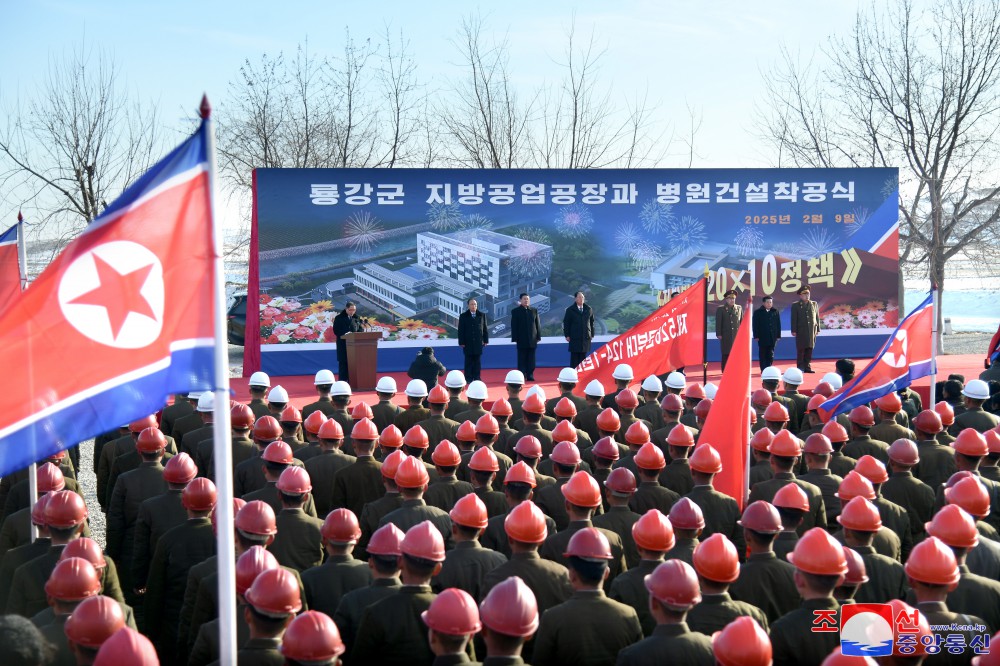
(682, 269)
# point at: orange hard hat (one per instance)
(412, 473)
(564, 432)
(815, 401)
(127, 646)
(38, 510)
(438, 395)
(791, 496)
(520, 472)
(252, 563)
(872, 469)
(565, 408)
(151, 440)
(533, 404)
(290, 415)
(65, 509)
(266, 429)
(637, 434)
(855, 485)
(904, 452)
(929, 421)
(932, 562)
(529, 447)
(510, 608)
(686, 515)
(275, 593)
(241, 416)
(760, 398)
(73, 579)
(606, 448)
(200, 495)
(716, 559)
(487, 425)
(705, 459)
(526, 523)
(387, 541)
(484, 460)
(954, 526)
(819, 553)
(835, 432)
(391, 463)
(57, 456)
(85, 548)
(889, 403)
(362, 410)
(761, 516)
(341, 526)
(501, 407)
(649, 457)
(391, 437)
(946, 412)
(141, 424)
(856, 572)
(589, 543)
(416, 438)
(818, 444)
(470, 512)
(970, 443)
(180, 469)
(466, 431)
(312, 638)
(860, 515)
(364, 429)
(446, 454)
(423, 541)
(627, 399)
(331, 429)
(582, 490)
(278, 452)
(862, 415)
(694, 391)
(314, 422)
(824, 389)
(675, 585)
(680, 435)
(742, 642)
(453, 612)
(608, 421)
(776, 413)
(702, 408)
(672, 403)
(621, 480)
(257, 518)
(94, 621)
(969, 494)
(761, 440)
(653, 531)
(49, 478)
(785, 444)
(992, 440)
(566, 453)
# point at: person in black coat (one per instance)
(578, 328)
(346, 322)
(525, 332)
(473, 335)
(766, 331)
(426, 367)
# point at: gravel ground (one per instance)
(88, 485)
(966, 343)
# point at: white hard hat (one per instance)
(324, 377)
(340, 388)
(833, 379)
(594, 389)
(710, 390)
(652, 383)
(623, 371)
(477, 390)
(416, 388)
(455, 379)
(567, 376)
(536, 389)
(793, 376)
(676, 380)
(514, 377)
(386, 385)
(277, 394)
(259, 379)
(206, 402)
(977, 389)
(771, 373)
(194, 395)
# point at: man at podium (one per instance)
(346, 322)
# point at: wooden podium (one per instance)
(362, 359)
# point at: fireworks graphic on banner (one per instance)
(749, 241)
(656, 217)
(861, 216)
(444, 217)
(686, 234)
(889, 187)
(816, 242)
(527, 256)
(574, 221)
(533, 234)
(362, 231)
(627, 237)
(471, 224)
(645, 256)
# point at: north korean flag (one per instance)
(906, 356)
(10, 271)
(120, 320)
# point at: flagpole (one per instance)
(704, 341)
(934, 343)
(22, 267)
(222, 453)
(747, 455)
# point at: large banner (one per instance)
(411, 246)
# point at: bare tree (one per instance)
(917, 90)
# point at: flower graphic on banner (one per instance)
(871, 314)
(415, 329)
(656, 217)
(444, 217)
(362, 231)
(574, 221)
(288, 321)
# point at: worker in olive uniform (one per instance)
(330, 459)
(467, 564)
(518, 487)
(904, 489)
(765, 581)
(412, 479)
(653, 536)
(649, 463)
(437, 425)
(974, 394)
(720, 510)
(325, 584)
(473, 336)
(258, 385)
(373, 512)
(817, 452)
(509, 616)
(180, 408)
(272, 603)
(743, 641)
(619, 486)
(73, 580)
(16, 530)
(937, 459)
(385, 411)
(766, 330)
(360, 482)
(861, 521)
(452, 620)
(19, 555)
(785, 450)
(277, 457)
(297, 545)
(887, 429)
(578, 329)
(805, 328)
(895, 517)
(688, 522)
(718, 565)
(727, 322)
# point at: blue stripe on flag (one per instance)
(9, 236)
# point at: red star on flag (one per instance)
(118, 293)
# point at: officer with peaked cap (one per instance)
(805, 328)
(727, 322)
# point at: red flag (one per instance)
(10, 272)
(727, 427)
(670, 338)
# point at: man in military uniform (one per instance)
(805, 327)
(653, 536)
(766, 330)
(718, 565)
(325, 584)
(765, 581)
(578, 329)
(473, 336)
(727, 322)
(467, 565)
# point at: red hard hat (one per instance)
(582, 490)
(529, 447)
(387, 541)
(761, 516)
(815, 401)
(835, 432)
(627, 399)
(702, 408)
(94, 621)
(412, 473)
(391, 463)
(589, 543)
(819, 553)
(649, 457)
(362, 411)
(453, 612)
(566, 453)
(252, 563)
(520, 472)
(87, 549)
(992, 440)
(824, 389)
(861, 515)
(57, 457)
(862, 415)
(675, 585)
(791, 496)
(312, 638)
(855, 485)
(50, 478)
(278, 452)
(141, 424)
(760, 398)
(954, 526)
(487, 425)
(970, 443)
(416, 438)
(533, 404)
(127, 646)
(742, 642)
(785, 444)
(818, 444)
(241, 416)
(621, 480)
(73, 579)
(924, 629)
(606, 448)
(314, 422)
(672, 403)
(423, 541)
(705, 459)
(199, 495)
(290, 415)
(872, 469)
(565, 408)
(294, 481)
(608, 421)
(967, 493)
(653, 531)
(341, 526)
(526, 523)
(484, 460)
(266, 429)
(38, 511)
(761, 439)
(904, 452)
(686, 515)
(151, 440)
(364, 430)
(180, 469)
(956, 477)
(856, 573)
(694, 391)
(929, 420)
(275, 593)
(446, 454)
(438, 395)
(716, 559)
(680, 435)
(466, 432)
(932, 562)
(470, 512)
(564, 432)
(889, 403)
(776, 412)
(501, 407)
(331, 429)
(510, 608)
(65, 509)
(946, 412)
(256, 517)
(391, 437)
(237, 505)
(637, 434)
